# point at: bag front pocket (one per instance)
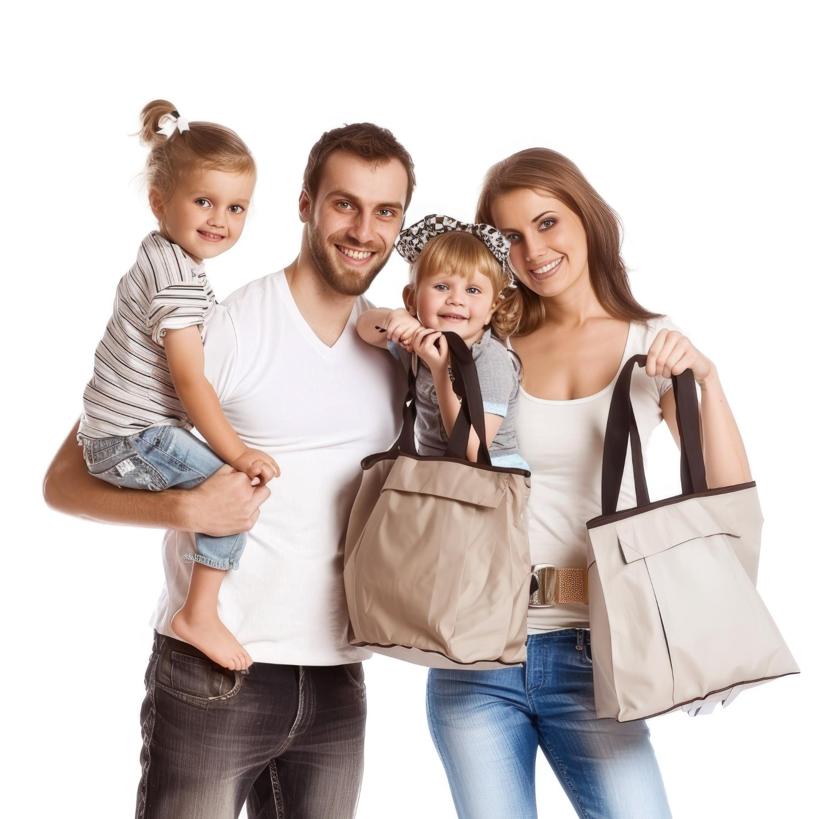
(707, 604)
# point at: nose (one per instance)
(455, 296)
(216, 219)
(533, 249)
(362, 228)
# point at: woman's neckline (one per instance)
(586, 398)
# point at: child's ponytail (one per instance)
(197, 145)
(151, 114)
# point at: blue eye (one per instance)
(512, 237)
(388, 212)
(344, 205)
(546, 224)
(440, 286)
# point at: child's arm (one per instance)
(186, 361)
(380, 325)
(436, 358)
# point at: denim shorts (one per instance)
(159, 458)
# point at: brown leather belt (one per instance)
(552, 586)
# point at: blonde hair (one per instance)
(461, 254)
(205, 146)
(541, 169)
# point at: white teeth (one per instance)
(355, 254)
(547, 267)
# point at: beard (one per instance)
(327, 261)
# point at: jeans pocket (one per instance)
(586, 653)
(196, 680)
(133, 472)
(355, 673)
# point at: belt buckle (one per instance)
(545, 595)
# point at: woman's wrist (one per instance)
(711, 382)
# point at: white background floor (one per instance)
(695, 121)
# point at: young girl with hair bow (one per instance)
(149, 386)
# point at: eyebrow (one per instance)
(202, 194)
(536, 219)
(347, 195)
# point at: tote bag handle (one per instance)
(467, 388)
(621, 428)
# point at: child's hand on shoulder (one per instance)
(401, 327)
(431, 347)
(257, 465)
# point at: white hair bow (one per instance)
(168, 123)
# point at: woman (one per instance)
(579, 323)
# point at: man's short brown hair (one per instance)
(370, 142)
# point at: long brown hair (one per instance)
(545, 170)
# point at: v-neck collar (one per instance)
(323, 349)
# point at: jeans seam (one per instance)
(276, 789)
(300, 707)
(226, 565)
(148, 735)
(566, 778)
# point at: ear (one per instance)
(492, 309)
(157, 204)
(408, 295)
(305, 206)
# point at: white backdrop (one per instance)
(695, 121)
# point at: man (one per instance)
(294, 380)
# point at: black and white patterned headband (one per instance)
(411, 240)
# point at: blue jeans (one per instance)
(156, 459)
(487, 726)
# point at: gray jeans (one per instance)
(286, 740)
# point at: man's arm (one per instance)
(224, 504)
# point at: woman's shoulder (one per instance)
(643, 332)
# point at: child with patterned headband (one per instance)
(459, 277)
(149, 385)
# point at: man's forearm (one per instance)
(69, 488)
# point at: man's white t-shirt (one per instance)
(318, 411)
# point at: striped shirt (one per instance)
(131, 388)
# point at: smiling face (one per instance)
(205, 214)
(353, 219)
(449, 301)
(549, 250)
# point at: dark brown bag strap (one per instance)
(621, 428)
(406, 439)
(467, 387)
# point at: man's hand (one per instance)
(226, 503)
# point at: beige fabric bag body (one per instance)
(674, 611)
(437, 567)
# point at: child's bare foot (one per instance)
(205, 631)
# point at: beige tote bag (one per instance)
(675, 614)
(437, 566)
